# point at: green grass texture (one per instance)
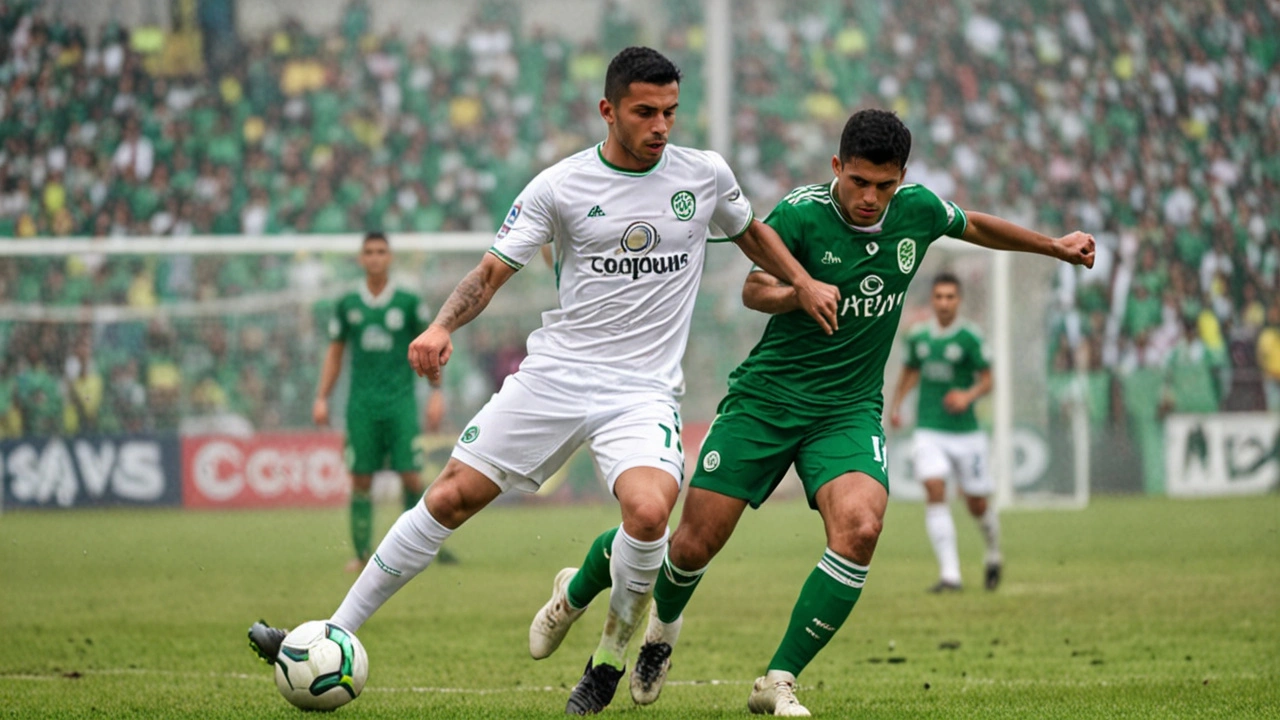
(1131, 608)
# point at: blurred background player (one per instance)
(379, 320)
(946, 358)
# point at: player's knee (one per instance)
(646, 520)
(857, 537)
(690, 550)
(362, 483)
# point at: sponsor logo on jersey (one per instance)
(354, 317)
(872, 248)
(470, 434)
(595, 212)
(733, 196)
(711, 461)
(374, 339)
(684, 205)
(512, 215)
(952, 352)
(871, 285)
(830, 259)
(906, 254)
(395, 318)
(639, 239)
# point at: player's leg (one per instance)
(852, 508)
(931, 468)
(744, 456)
(366, 453)
(407, 461)
(977, 485)
(408, 548)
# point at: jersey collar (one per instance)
(631, 173)
(870, 229)
(937, 332)
(382, 299)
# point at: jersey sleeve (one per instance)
(913, 360)
(978, 348)
(732, 214)
(421, 316)
(952, 220)
(786, 221)
(339, 329)
(530, 224)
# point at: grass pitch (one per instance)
(1134, 607)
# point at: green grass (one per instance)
(1132, 608)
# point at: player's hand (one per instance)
(956, 401)
(1077, 248)
(822, 302)
(320, 412)
(429, 352)
(895, 419)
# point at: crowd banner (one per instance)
(298, 469)
(1222, 454)
(91, 471)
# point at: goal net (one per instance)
(226, 335)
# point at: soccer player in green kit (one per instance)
(379, 320)
(945, 357)
(812, 399)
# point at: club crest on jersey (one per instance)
(952, 352)
(684, 204)
(395, 318)
(922, 350)
(354, 317)
(906, 255)
(711, 461)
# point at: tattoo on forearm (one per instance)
(465, 302)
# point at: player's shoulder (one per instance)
(347, 299)
(918, 330)
(806, 196)
(915, 193)
(970, 330)
(404, 296)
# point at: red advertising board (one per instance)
(304, 469)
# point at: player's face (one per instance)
(639, 123)
(864, 189)
(946, 301)
(375, 258)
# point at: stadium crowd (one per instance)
(1156, 127)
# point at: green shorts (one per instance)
(373, 438)
(752, 442)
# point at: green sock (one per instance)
(411, 497)
(673, 589)
(826, 600)
(593, 577)
(362, 523)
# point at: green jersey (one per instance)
(796, 365)
(948, 358)
(378, 329)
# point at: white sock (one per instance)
(942, 534)
(408, 548)
(990, 525)
(634, 567)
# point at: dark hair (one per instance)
(946, 277)
(877, 136)
(373, 235)
(637, 64)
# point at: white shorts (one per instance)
(531, 427)
(937, 454)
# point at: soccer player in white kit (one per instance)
(630, 219)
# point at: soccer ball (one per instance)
(321, 666)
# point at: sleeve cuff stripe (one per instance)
(751, 216)
(506, 259)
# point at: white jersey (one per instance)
(629, 250)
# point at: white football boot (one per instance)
(775, 694)
(552, 622)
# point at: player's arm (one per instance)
(958, 400)
(996, 233)
(765, 293)
(431, 350)
(907, 382)
(820, 300)
(328, 376)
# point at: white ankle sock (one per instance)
(990, 525)
(634, 566)
(408, 548)
(942, 534)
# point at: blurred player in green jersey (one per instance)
(945, 357)
(379, 321)
(813, 399)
